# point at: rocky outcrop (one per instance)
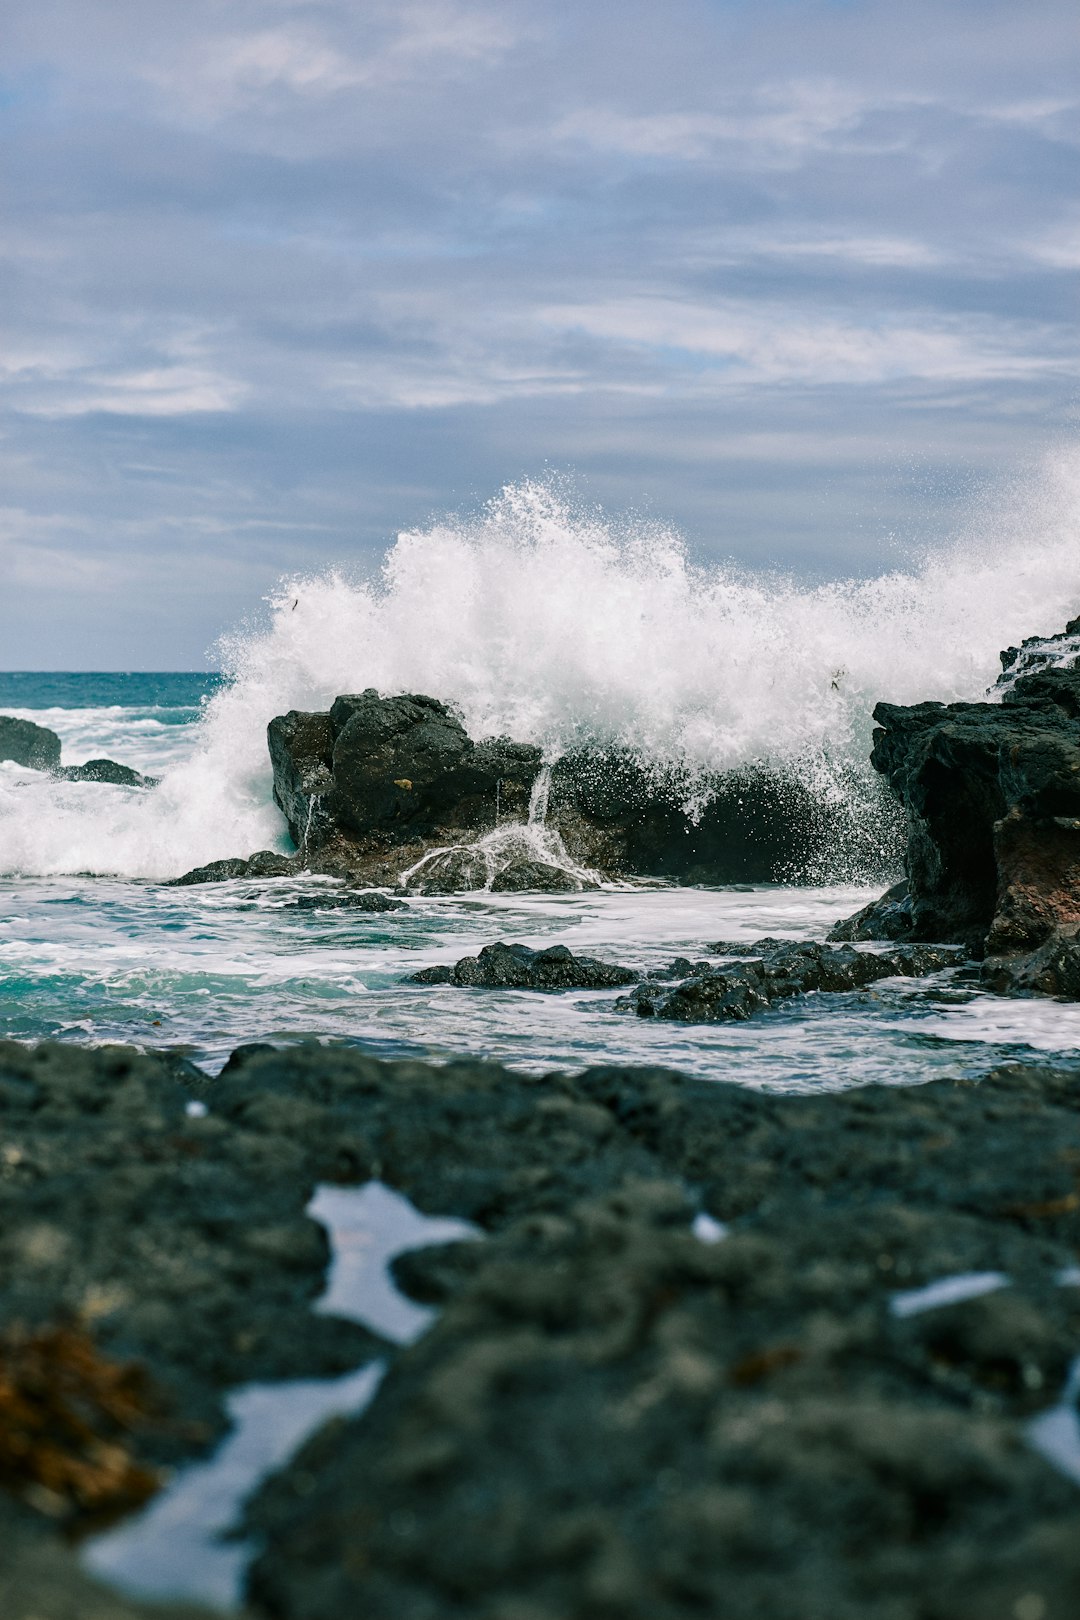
(377, 786)
(622, 1409)
(992, 795)
(25, 743)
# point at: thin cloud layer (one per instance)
(281, 278)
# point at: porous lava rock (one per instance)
(610, 1416)
(265, 863)
(25, 743)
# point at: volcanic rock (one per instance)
(263, 864)
(26, 743)
(516, 967)
(105, 770)
(992, 795)
(738, 990)
(378, 785)
(610, 1416)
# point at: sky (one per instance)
(279, 280)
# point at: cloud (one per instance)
(278, 277)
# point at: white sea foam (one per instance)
(555, 625)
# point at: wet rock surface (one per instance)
(783, 969)
(992, 796)
(105, 770)
(610, 1416)
(263, 864)
(377, 784)
(517, 967)
(26, 743)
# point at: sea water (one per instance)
(551, 625)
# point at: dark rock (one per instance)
(1052, 970)
(503, 967)
(785, 969)
(106, 770)
(378, 784)
(609, 1417)
(348, 900)
(25, 743)
(393, 773)
(538, 877)
(265, 863)
(887, 918)
(992, 795)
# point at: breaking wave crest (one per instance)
(555, 625)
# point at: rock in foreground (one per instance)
(610, 1417)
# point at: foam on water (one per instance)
(555, 625)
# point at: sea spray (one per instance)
(556, 625)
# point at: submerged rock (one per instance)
(380, 784)
(265, 863)
(367, 900)
(25, 743)
(105, 770)
(516, 967)
(738, 990)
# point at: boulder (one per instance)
(992, 796)
(105, 770)
(378, 785)
(25, 743)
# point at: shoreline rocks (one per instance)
(992, 795)
(611, 1415)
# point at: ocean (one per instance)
(553, 626)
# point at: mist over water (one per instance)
(555, 624)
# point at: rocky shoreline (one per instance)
(720, 1352)
(610, 1415)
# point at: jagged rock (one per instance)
(379, 783)
(738, 990)
(25, 743)
(105, 770)
(263, 864)
(516, 967)
(1052, 970)
(383, 772)
(992, 795)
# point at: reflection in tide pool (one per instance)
(180, 1547)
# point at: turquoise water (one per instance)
(96, 954)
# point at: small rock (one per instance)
(504, 967)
